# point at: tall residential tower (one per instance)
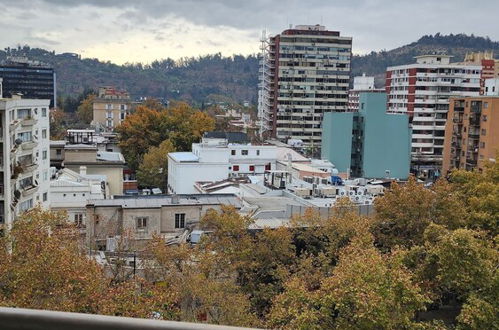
(422, 90)
(304, 73)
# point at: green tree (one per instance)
(153, 171)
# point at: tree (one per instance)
(148, 127)
(153, 171)
(85, 111)
(365, 291)
(404, 212)
(480, 196)
(45, 267)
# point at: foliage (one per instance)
(190, 79)
(153, 170)
(149, 127)
(403, 214)
(85, 111)
(365, 291)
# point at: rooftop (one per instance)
(182, 157)
(157, 201)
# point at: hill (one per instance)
(195, 79)
(190, 79)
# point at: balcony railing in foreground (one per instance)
(20, 318)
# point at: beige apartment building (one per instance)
(471, 133)
(110, 108)
(141, 217)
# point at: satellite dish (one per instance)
(18, 141)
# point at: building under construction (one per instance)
(304, 73)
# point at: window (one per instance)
(268, 167)
(44, 112)
(252, 168)
(233, 152)
(482, 145)
(58, 152)
(235, 168)
(44, 154)
(122, 115)
(109, 106)
(123, 106)
(179, 220)
(258, 152)
(23, 113)
(244, 152)
(24, 137)
(484, 131)
(141, 223)
(45, 176)
(26, 205)
(78, 218)
(45, 197)
(44, 133)
(109, 123)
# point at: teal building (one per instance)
(370, 143)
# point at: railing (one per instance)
(20, 318)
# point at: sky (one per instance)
(142, 31)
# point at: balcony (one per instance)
(29, 190)
(29, 122)
(29, 145)
(29, 167)
(14, 124)
(21, 318)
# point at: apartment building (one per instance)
(110, 108)
(32, 79)
(24, 158)
(490, 66)
(422, 90)
(369, 143)
(304, 73)
(142, 217)
(471, 133)
(361, 84)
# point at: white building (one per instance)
(71, 191)
(492, 87)
(214, 160)
(24, 159)
(422, 90)
(361, 84)
(304, 72)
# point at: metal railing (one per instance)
(20, 318)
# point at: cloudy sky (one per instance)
(142, 31)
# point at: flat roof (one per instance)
(157, 201)
(181, 157)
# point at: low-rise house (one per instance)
(141, 217)
(215, 159)
(70, 191)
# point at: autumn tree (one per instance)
(366, 290)
(153, 170)
(405, 211)
(149, 127)
(85, 111)
(46, 268)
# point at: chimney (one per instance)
(83, 170)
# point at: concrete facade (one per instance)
(471, 133)
(370, 143)
(167, 216)
(110, 108)
(304, 73)
(24, 159)
(422, 90)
